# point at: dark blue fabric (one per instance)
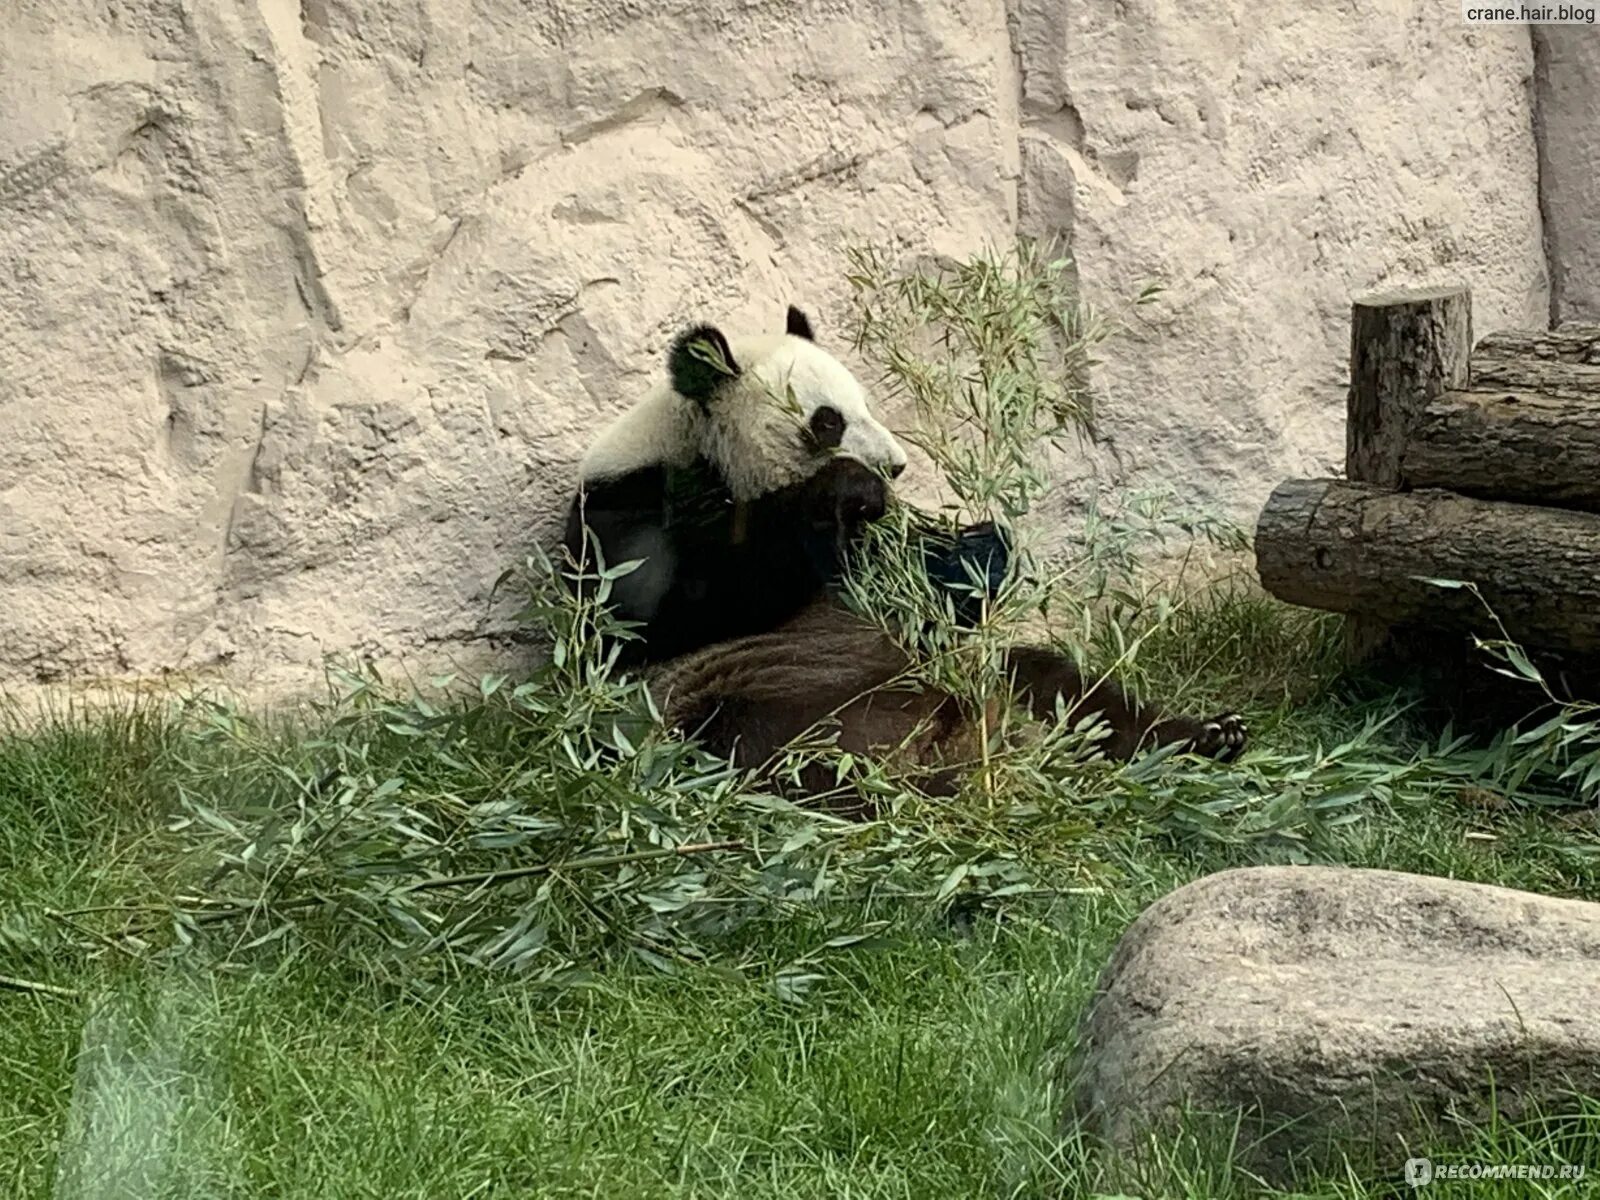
(947, 556)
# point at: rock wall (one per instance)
(308, 307)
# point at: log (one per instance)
(1559, 362)
(1508, 445)
(1407, 348)
(1363, 550)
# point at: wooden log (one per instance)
(1359, 549)
(1557, 362)
(1407, 348)
(1503, 445)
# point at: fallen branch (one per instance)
(216, 916)
(12, 983)
(576, 864)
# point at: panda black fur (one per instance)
(738, 481)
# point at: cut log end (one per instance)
(1392, 297)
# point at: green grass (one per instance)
(925, 1061)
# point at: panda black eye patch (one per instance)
(827, 428)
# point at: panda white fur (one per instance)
(736, 480)
(738, 423)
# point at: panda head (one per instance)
(772, 409)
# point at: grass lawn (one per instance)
(923, 1061)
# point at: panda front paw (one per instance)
(1221, 737)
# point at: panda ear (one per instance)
(699, 361)
(799, 325)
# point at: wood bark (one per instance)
(1363, 550)
(1508, 445)
(1407, 348)
(1557, 362)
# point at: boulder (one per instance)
(1340, 1008)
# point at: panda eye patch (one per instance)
(827, 428)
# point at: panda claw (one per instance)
(1222, 737)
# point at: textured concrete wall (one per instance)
(307, 307)
(1267, 162)
(1567, 121)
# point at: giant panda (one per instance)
(739, 481)
(742, 481)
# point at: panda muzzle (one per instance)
(853, 494)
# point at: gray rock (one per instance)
(1361, 1005)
